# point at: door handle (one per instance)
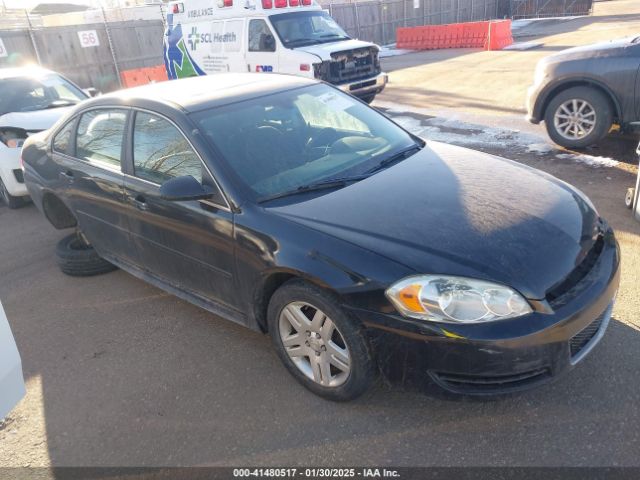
(140, 202)
(68, 175)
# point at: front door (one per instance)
(262, 55)
(95, 182)
(187, 244)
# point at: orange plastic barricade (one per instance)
(499, 36)
(455, 35)
(143, 76)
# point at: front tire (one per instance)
(321, 346)
(79, 259)
(578, 117)
(8, 199)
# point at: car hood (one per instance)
(33, 121)
(450, 210)
(324, 50)
(601, 49)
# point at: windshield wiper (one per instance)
(321, 185)
(60, 104)
(302, 43)
(335, 35)
(396, 157)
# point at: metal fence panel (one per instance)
(377, 20)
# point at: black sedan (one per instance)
(581, 92)
(287, 206)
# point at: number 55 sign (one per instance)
(3, 50)
(88, 38)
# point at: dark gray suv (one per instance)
(581, 92)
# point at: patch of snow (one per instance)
(596, 162)
(523, 46)
(540, 148)
(393, 52)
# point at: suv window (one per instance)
(62, 140)
(161, 152)
(100, 136)
(260, 37)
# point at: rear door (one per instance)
(95, 182)
(262, 54)
(187, 244)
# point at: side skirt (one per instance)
(224, 311)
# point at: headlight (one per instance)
(443, 298)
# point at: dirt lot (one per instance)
(120, 373)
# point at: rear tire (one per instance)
(78, 259)
(594, 117)
(9, 200)
(327, 352)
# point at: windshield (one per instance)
(26, 94)
(285, 141)
(298, 29)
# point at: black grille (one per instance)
(580, 340)
(473, 384)
(578, 274)
(19, 176)
(350, 66)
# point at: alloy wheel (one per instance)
(314, 344)
(575, 119)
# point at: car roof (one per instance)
(200, 93)
(30, 71)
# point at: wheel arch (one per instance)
(57, 212)
(270, 282)
(567, 84)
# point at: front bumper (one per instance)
(503, 356)
(534, 96)
(11, 173)
(370, 86)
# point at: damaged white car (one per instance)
(31, 100)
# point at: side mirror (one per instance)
(185, 188)
(92, 92)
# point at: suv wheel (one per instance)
(79, 259)
(9, 200)
(578, 117)
(321, 346)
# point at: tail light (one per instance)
(307, 2)
(281, 3)
(177, 8)
(228, 3)
(294, 3)
(305, 67)
(267, 3)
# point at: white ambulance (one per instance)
(286, 36)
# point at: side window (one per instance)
(260, 37)
(160, 151)
(63, 138)
(100, 136)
